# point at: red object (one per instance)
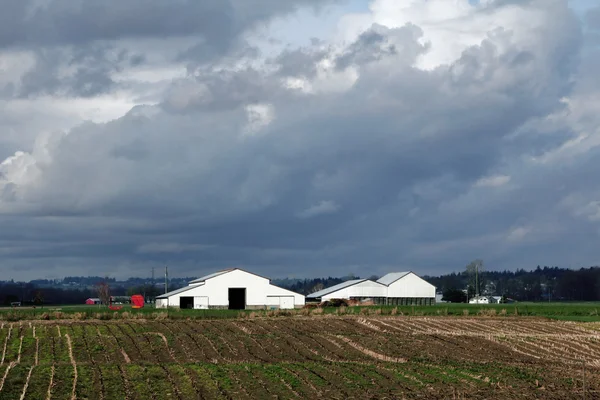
(114, 308)
(137, 301)
(90, 302)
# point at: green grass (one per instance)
(580, 311)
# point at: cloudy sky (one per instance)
(297, 138)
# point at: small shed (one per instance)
(234, 289)
(93, 301)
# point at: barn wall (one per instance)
(362, 289)
(174, 299)
(217, 291)
(161, 303)
(411, 286)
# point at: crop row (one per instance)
(296, 358)
(267, 341)
(282, 380)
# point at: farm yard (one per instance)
(328, 356)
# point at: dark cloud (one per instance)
(592, 18)
(380, 41)
(65, 22)
(89, 74)
(373, 165)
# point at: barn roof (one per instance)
(392, 277)
(218, 273)
(177, 291)
(214, 274)
(335, 288)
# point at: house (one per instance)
(480, 300)
(396, 288)
(232, 288)
(92, 301)
(356, 289)
(496, 299)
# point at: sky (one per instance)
(297, 139)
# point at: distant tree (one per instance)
(38, 299)
(474, 271)
(103, 291)
(454, 296)
(10, 298)
(317, 287)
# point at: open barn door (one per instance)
(237, 298)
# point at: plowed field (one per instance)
(300, 358)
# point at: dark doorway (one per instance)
(186, 302)
(237, 298)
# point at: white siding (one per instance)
(411, 286)
(282, 302)
(216, 289)
(201, 302)
(161, 303)
(362, 289)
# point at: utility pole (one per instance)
(166, 278)
(477, 281)
(153, 285)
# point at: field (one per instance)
(588, 311)
(328, 356)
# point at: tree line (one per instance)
(541, 284)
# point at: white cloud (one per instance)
(259, 117)
(493, 181)
(518, 233)
(322, 208)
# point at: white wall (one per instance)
(411, 286)
(217, 290)
(362, 289)
(161, 303)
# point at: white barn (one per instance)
(233, 289)
(396, 288)
(356, 289)
(407, 288)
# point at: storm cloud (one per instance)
(419, 135)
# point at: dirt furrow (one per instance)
(26, 385)
(10, 328)
(8, 368)
(74, 364)
(50, 384)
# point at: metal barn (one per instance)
(407, 288)
(357, 289)
(395, 288)
(231, 289)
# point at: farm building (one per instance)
(480, 300)
(356, 289)
(486, 300)
(396, 288)
(234, 289)
(406, 288)
(91, 301)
